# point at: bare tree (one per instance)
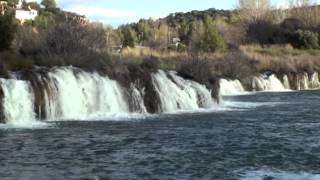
(306, 11)
(253, 10)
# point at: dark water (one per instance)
(256, 137)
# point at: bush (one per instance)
(75, 44)
(262, 31)
(235, 65)
(292, 24)
(151, 64)
(8, 29)
(307, 39)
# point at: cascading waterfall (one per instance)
(177, 93)
(286, 82)
(73, 94)
(303, 82)
(271, 83)
(315, 82)
(81, 93)
(18, 102)
(231, 87)
(268, 83)
(137, 97)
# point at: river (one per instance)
(255, 136)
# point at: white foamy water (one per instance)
(81, 94)
(178, 94)
(72, 94)
(231, 87)
(268, 83)
(278, 175)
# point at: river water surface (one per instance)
(257, 136)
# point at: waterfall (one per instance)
(178, 94)
(314, 82)
(268, 83)
(17, 102)
(72, 94)
(286, 82)
(81, 93)
(231, 87)
(303, 81)
(137, 97)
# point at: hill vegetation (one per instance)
(254, 37)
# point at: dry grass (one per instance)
(250, 59)
(283, 59)
(169, 59)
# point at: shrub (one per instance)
(235, 65)
(151, 64)
(8, 29)
(292, 24)
(307, 39)
(262, 31)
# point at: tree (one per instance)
(49, 4)
(8, 29)
(12, 3)
(24, 5)
(34, 5)
(253, 10)
(129, 37)
(45, 21)
(211, 39)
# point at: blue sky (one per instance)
(116, 12)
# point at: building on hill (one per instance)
(25, 15)
(22, 15)
(73, 17)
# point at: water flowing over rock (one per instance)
(231, 87)
(302, 81)
(73, 94)
(177, 93)
(267, 83)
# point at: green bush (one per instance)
(45, 21)
(308, 39)
(212, 40)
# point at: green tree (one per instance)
(45, 21)
(211, 39)
(129, 37)
(8, 28)
(49, 4)
(24, 5)
(308, 39)
(12, 2)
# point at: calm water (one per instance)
(261, 136)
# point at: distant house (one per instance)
(25, 15)
(73, 17)
(21, 14)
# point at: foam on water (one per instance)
(278, 175)
(231, 87)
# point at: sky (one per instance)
(117, 12)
